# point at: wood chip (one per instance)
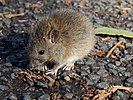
(105, 38)
(67, 78)
(113, 48)
(13, 15)
(22, 21)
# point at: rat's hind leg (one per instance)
(69, 66)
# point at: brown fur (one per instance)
(75, 38)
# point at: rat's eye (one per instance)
(41, 52)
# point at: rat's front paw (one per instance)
(52, 71)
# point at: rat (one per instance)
(59, 39)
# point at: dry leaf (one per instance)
(52, 81)
(13, 15)
(57, 83)
(98, 53)
(35, 5)
(102, 94)
(68, 1)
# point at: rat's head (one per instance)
(42, 41)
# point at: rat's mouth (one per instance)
(49, 64)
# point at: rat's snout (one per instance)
(36, 63)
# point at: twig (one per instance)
(111, 50)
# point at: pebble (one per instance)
(121, 96)
(3, 87)
(44, 97)
(102, 85)
(130, 79)
(12, 75)
(113, 71)
(69, 96)
(112, 66)
(6, 21)
(94, 78)
(103, 73)
(84, 73)
(90, 61)
(26, 96)
(12, 96)
(42, 84)
(127, 74)
(117, 63)
(122, 39)
(8, 64)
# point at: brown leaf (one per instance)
(98, 53)
(13, 15)
(68, 1)
(57, 83)
(52, 81)
(103, 94)
(34, 5)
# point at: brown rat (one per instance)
(59, 39)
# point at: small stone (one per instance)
(44, 97)
(27, 4)
(122, 39)
(12, 96)
(112, 66)
(3, 87)
(121, 95)
(102, 85)
(117, 63)
(130, 79)
(8, 64)
(89, 82)
(113, 71)
(90, 61)
(26, 96)
(128, 57)
(127, 74)
(103, 72)
(12, 75)
(94, 78)
(69, 95)
(42, 84)
(6, 21)
(84, 73)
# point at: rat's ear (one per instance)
(53, 36)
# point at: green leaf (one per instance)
(113, 31)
